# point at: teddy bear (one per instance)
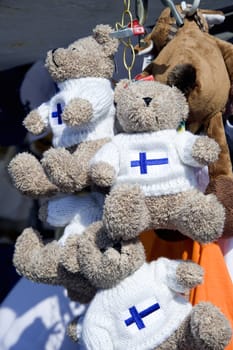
(199, 64)
(80, 116)
(151, 167)
(124, 209)
(140, 305)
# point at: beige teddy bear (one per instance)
(80, 116)
(152, 167)
(201, 65)
(170, 159)
(140, 305)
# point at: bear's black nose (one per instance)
(147, 100)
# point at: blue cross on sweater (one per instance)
(143, 162)
(137, 316)
(57, 114)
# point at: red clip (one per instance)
(141, 77)
(137, 28)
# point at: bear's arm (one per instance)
(108, 154)
(37, 121)
(181, 276)
(43, 111)
(184, 145)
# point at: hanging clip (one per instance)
(141, 10)
(175, 13)
(133, 29)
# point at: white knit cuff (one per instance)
(171, 277)
(184, 144)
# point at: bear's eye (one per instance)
(73, 48)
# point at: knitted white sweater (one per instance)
(139, 313)
(75, 212)
(160, 162)
(99, 93)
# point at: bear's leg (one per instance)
(198, 216)
(125, 212)
(34, 260)
(57, 163)
(70, 171)
(209, 327)
(29, 177)
(206, 328)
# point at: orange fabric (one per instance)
(217, 287)
(156, 247)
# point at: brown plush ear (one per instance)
(183, 76)
(101, 35)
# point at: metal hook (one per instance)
(190, 9)
(141, 10)
(175, 13)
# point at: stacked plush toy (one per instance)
(200, 65)
(81, 118)
(140, 305)
(152, 167)
(149, 126)
(144, 177)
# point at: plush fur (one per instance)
(143, 201)
(89, 124)
(42, 263)
(87, 121)
(201, 66)
(107, 264)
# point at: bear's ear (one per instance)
(120, 89)
(101, 33)
(183, 76)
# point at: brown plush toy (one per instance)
(139, 305)
(201, 66)
(80, 116)
(152, 167)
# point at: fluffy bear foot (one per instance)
(222, 187)
(58, 165)
(125, 213)
(34, 260)
(200, 217)
(29, 177)
(209, 327)
(206, 328)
